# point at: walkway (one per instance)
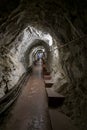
(31, 111)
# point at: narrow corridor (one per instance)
(30, 111)
(43, 64)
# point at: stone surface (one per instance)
(25, 22)
(30, 111)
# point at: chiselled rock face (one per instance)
(60, 28)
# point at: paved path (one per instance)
(30, 111)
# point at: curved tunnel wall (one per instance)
(65, 22)
(33, 53)
(35, 44)
(17, 57)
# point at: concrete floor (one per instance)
(30, 111)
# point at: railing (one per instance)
(12, 95)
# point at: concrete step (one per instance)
(48, 77)
(47, 73)
(44, 70)
(60, 121)
(54, 99)
(48, 83)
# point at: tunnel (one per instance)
(43, 65)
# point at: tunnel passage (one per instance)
(59, 24)
(36, 45)
(32, 109)
(37, 53)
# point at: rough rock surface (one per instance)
(63, 21)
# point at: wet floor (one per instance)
(30, 111)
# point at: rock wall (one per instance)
(17, 52)
(74, 63)
(65, 21)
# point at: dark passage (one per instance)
(43, 64)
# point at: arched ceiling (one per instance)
(36, 44)
(34, 52)
(26, 24)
